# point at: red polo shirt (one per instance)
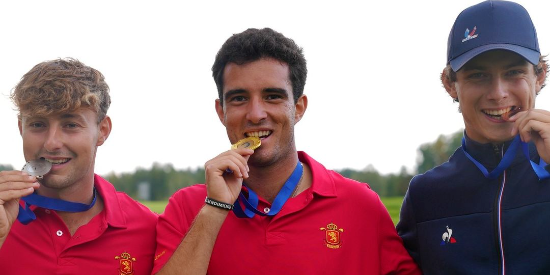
(119, 240)
(338, 226)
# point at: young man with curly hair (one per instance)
(66, 219)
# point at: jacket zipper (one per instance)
(497, 212)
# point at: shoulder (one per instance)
(186, 202)
(448, 172)
(195, 192)
(134, 208)
(330, 183)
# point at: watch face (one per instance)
(38, 167)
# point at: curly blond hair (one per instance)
(59, 86)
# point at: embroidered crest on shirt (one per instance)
(447, 237)
(126, 264)
(332, 235)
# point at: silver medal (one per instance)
(37, 167)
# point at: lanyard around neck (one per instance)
(26, 215)
(284, 194)
(507, 159)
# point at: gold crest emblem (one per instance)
(332, 236)
(126, 264)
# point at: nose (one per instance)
(498, 89)
(54, 139)
(256, 110)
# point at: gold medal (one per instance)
(249, 142)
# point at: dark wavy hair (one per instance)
(62, 85)
(254, 44)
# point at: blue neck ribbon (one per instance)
(507, 159)
(284, 194)
(26, 215)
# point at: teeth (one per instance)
(259, 134)
(57, 161)
(498, 112)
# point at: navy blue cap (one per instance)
(492, 25)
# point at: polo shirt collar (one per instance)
(322, 183)
(113, 211)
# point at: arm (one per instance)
(13, 186)
(193, 254)
(393, 256)
(406, 228)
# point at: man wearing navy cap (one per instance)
(486, 210)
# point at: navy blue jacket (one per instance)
(456, 221)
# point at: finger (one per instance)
(521, 120)
(7, 176)
(9, 195)
(14, 185)
(228, 164)
(534, 127)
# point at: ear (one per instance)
(104, 129)
(301, 106)
(541, 77)
(219, 110)
(448, 84)
(20, 125)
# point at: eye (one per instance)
(238, 98)
(71, 125)
(478, 75)
(514, 72)
(37, 124)
(273, 96)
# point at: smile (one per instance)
(497, 114)
(260, 134)
(58, 161)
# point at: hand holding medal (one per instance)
(224, 188)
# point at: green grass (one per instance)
(156, 206)
(393, 204)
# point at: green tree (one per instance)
(6, 167)
(437, 152)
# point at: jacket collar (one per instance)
(490, 154)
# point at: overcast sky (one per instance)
(373, 83)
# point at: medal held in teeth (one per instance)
(249, 142)
(37, 167)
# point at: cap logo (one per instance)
(469, 34)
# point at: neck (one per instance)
(81, 192)
(268, 181)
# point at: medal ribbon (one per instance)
(26, 215)
(284, 194)
(507, 159)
